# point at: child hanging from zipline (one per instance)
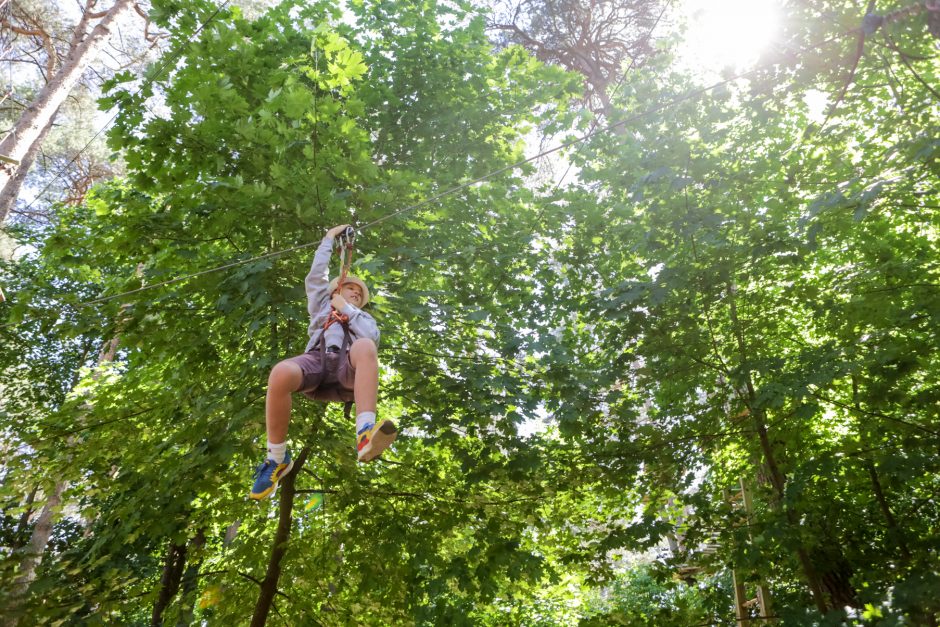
(340, 363)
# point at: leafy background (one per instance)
(731, 290)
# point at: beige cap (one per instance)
(353, 279)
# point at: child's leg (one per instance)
(372, 436)
(285, 379)
(364, 358)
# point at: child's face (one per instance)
(352, 293)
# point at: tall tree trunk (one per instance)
(11, 191)
(896, 533)
(170, 581)
(279, 546)
(38, 116)
(779, 486)
(34, 552)
(24, 521)
(777, 480)
(43, 529)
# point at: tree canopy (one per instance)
(707, 362)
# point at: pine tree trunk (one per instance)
(28, 130)
(43, 529)
(11, 191)
(34, 551)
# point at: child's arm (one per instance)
(317, 282)
(360, 323)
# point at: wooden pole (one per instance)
(740, 594)
(740, 600)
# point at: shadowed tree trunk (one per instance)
(24, 521)
(170, 581)
(279, 546)
(190, 578)
(777, 480)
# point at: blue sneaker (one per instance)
(268, 474)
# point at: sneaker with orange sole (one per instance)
(373, 439)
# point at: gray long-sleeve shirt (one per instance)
(317, 284)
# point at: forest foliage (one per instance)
(733, 289)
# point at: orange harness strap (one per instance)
(335, 316)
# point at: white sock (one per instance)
(277, 451)
(363, 419)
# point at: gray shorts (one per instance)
(331, 380)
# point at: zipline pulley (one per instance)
(345, 239)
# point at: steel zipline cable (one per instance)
(475, 181)
(595, 131)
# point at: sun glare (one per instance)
(728, 33)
